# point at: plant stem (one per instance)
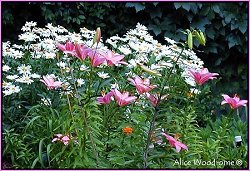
(85, 119)
(68, 100)
(152, 123)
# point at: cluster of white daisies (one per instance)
(137, 45)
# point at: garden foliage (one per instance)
(75, 100)
(224, 24)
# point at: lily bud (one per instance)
(97, 36)
(190, 40)
(146, 69)
(203, 39)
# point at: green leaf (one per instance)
(216, 8)
(177, 5)
(218, 61)
(155, 3)
(212, 49)
(156, 13)
(82, 17)
(194, 8)
(204, 11)
(48, 152)
(232, 41)
(156, 29)
(40, 152)
(200, 24)
(243, 27)
(138, 6)
(34, 163)
(186, 6)
(210, 33)
(234, 25)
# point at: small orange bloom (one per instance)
(127, 130)
(190, 94)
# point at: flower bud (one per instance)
(97, 36)
(146, 69)
(203, 39)
(190, 40)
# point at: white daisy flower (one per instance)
(103, 75)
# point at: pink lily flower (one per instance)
(68, 48)
(64, 139)
(81, 51)
(234, 102)
(123, 99)
(105, 99)
(51, 83)
(152, 98)
(174, 143)
(95, 58)
(112, 58)
(202, 76)
(141, 85)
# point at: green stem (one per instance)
(152, 123)
(85, 120)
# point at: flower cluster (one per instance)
(122, 99)
(139, 43)
(135, 47)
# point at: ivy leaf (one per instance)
(156, 29)
(234, 25)
(138, 6)
(228, 18)
(211, 15)
(186, 6)
(218, 62)
(205, 11)
(232, 41)
(177, 5)
(156, 13)
(222, 31)
(210, 33)
(212, 49)
(155, 3)
(243, 27)
(194, 8)
(216, 9)
(200, 24)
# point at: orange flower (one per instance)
(127, 130)
(190, 94)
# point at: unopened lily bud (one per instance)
(203, 39)
(97, 36)
(146, 69)
(190, 40)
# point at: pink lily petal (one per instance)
(142, 86)
(105, 99)
(112, 58)
(50, 83)
(152, 98)
(202, 76)
(68, 48)
(123, 99)
(234, 102)
(174, 143)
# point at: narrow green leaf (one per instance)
(40, 152)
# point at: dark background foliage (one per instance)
(225, 26)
